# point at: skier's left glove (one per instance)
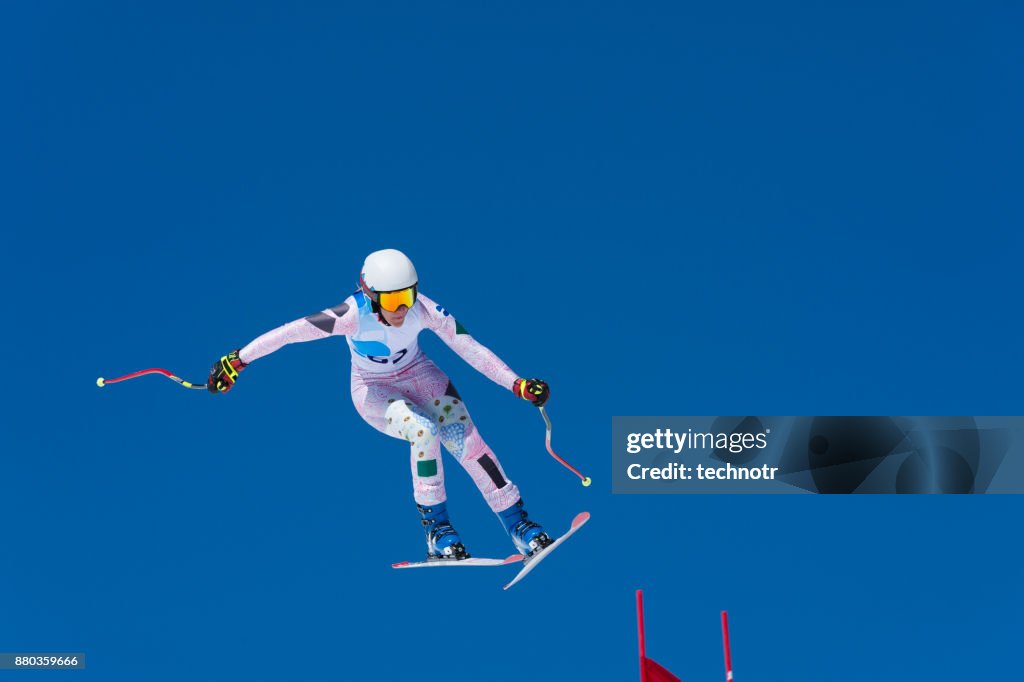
(224, 373)
(534, 390)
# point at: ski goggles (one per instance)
(393, 300)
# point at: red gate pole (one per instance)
(640, 631)
(725, 647)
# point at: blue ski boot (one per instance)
(528, 537)
(442, 540)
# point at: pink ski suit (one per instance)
(400, 392)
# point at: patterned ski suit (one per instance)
(400, 392)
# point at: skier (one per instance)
(399, 391)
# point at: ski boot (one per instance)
(528, 537)
(443, 542)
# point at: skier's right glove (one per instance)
(224, 373)
(534, 390)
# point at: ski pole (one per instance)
(547, 441)
(101, 382)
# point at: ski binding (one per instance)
(530, 562)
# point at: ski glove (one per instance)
(224, 373)
(534, 390)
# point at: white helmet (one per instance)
(384, 271)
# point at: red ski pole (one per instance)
(547, 442)
(101, 382)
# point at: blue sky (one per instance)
(660, 209)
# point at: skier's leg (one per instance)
(371, 401)
(405, 421)
(384, 408)
(408, 423)
(461, 438)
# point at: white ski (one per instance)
(531, 562)
(472, 561)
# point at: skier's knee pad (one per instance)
(454, 438)
(404, 422)
(454, 422)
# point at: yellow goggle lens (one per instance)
(393, 300)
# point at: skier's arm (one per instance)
(478, 356)
(336, 321)
(339, 320)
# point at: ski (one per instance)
(472, 561)
(529, 563)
